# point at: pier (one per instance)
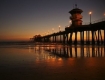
(90, 34)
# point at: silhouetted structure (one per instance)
(37, 38)
(76, 16)
(93, 31)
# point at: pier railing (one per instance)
(96, 21)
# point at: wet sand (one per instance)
(23, 63)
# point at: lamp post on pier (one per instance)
(70, 22)
(90, 16)
(59, 28)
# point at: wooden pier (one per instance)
(92, 33)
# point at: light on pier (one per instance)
(90, 16)
(59, 28)
(90, 13)
(70, 22)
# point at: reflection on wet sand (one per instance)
(74, 51)
(52, 62)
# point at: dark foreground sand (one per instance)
(67, 69)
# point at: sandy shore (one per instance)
(23, 63)
(67, 69)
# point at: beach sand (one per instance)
(23, 63)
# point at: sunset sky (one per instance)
(22, 19)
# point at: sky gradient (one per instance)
(22, 19)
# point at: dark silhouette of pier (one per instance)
(92, 28)
(93, 32)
